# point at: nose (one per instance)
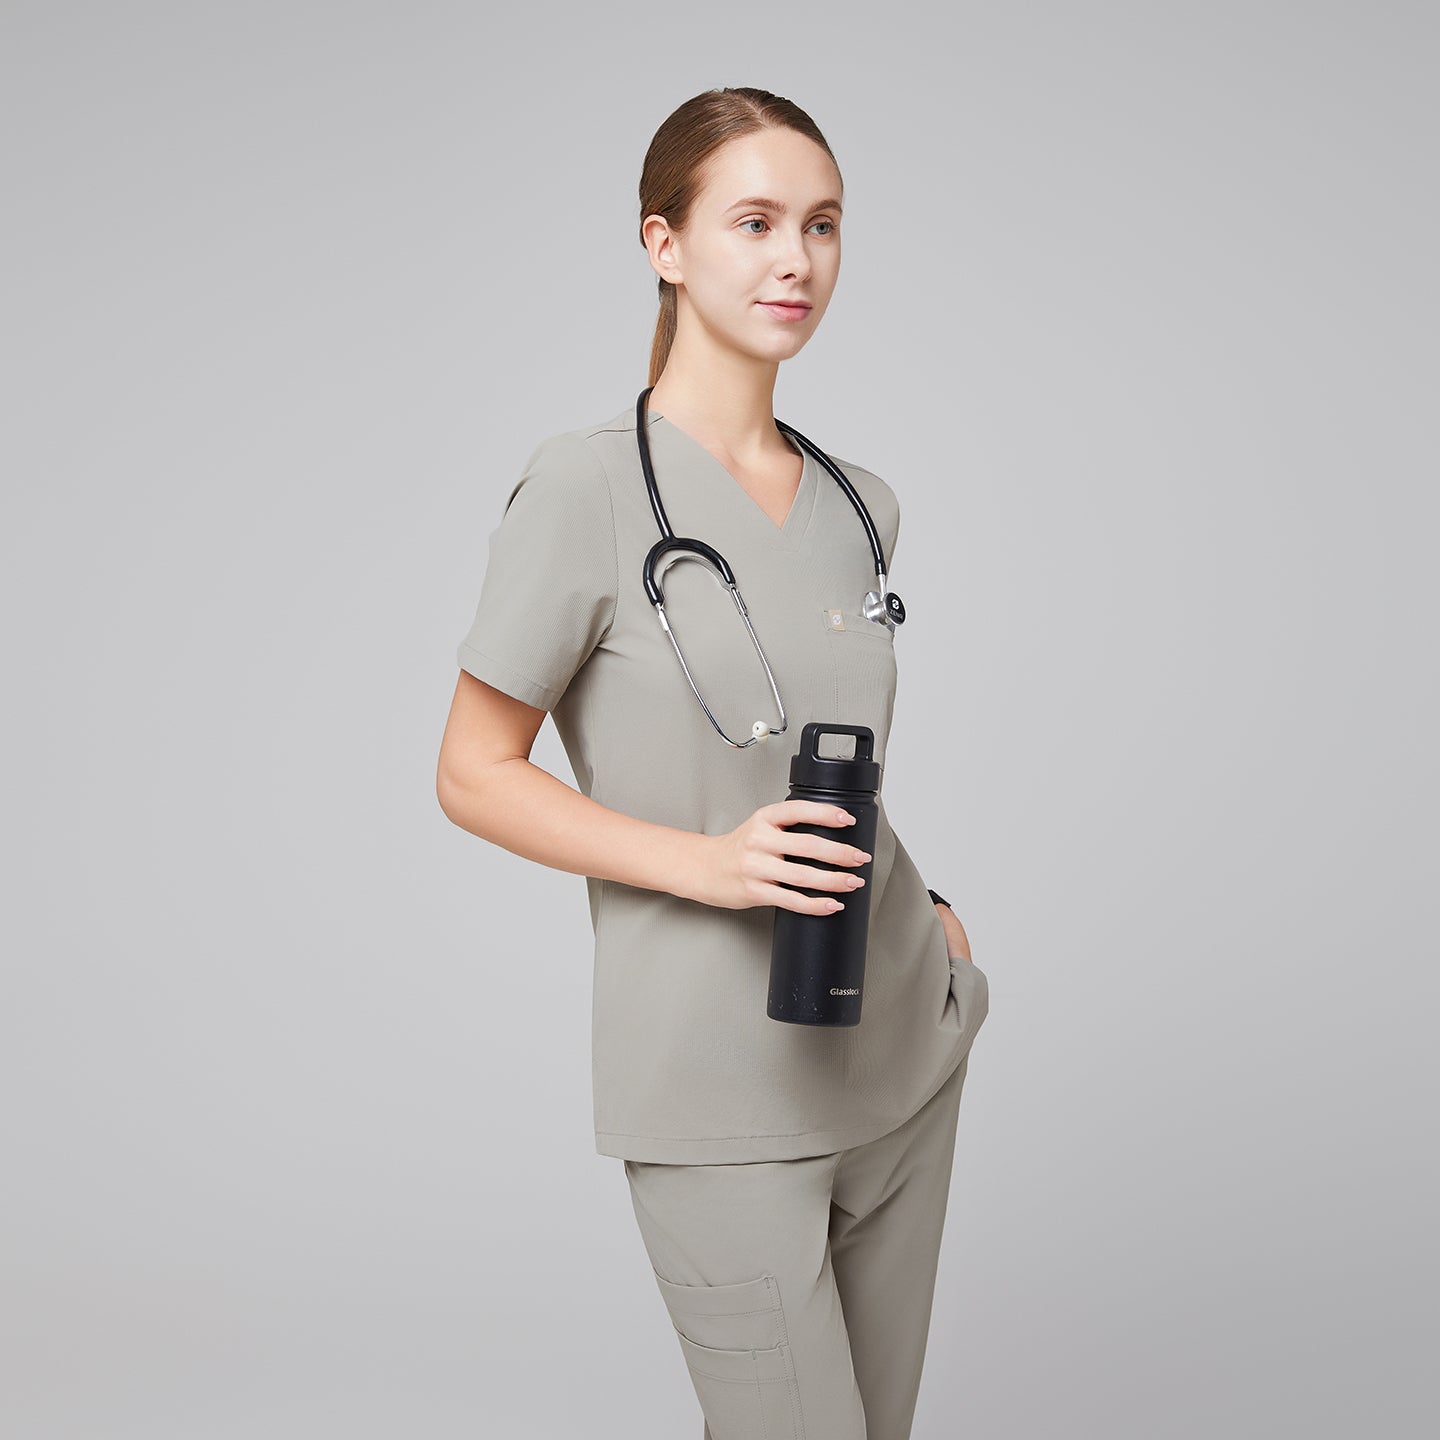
(793, 261)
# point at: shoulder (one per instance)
(563, 469)
(585, 454)
(880, 499)
(868, 483)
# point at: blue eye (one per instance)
(759, 220)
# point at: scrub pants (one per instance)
(800, 1290)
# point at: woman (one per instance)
(790, 1181)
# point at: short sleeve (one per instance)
(551, 583)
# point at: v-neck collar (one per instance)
(797, 521)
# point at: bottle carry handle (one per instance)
(811, 732)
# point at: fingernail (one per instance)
(848, 818)
(837, 904)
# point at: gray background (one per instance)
(294, 1075)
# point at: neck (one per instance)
(720, 397)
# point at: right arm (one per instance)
(487, 784)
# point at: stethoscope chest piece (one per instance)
(887, 611)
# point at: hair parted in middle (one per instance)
(674, 170)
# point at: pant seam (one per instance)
(792, 1381)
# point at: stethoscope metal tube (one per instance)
(880, 606)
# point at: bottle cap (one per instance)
(832, 772)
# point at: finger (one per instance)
(812, 877)
(817, 847)
(815, 812)
(783, 899)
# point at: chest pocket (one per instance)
(857, 624)
(852, 622)
(863, 654)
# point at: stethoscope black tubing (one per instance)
(670, 541)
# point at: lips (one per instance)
(789, 312)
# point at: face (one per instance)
(765, 228)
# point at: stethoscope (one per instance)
(882, 605)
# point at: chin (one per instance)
(787, 339)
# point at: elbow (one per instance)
(443, 795)
(455, 797)
(463, 794)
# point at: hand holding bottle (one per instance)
(749, 862)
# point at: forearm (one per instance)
(530, 812)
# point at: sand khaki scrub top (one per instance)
(687, 1068)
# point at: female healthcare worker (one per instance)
(790, 1181)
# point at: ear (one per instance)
(663, 248)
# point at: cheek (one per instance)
(726, 280)
(745, 277)
(827, 268)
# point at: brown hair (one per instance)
(674, 169)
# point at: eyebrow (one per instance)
(779, 207)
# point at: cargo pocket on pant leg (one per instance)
(737, 1350)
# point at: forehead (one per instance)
(781, 163)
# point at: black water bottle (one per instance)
(817, 962)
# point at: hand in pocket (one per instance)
(957, 943)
